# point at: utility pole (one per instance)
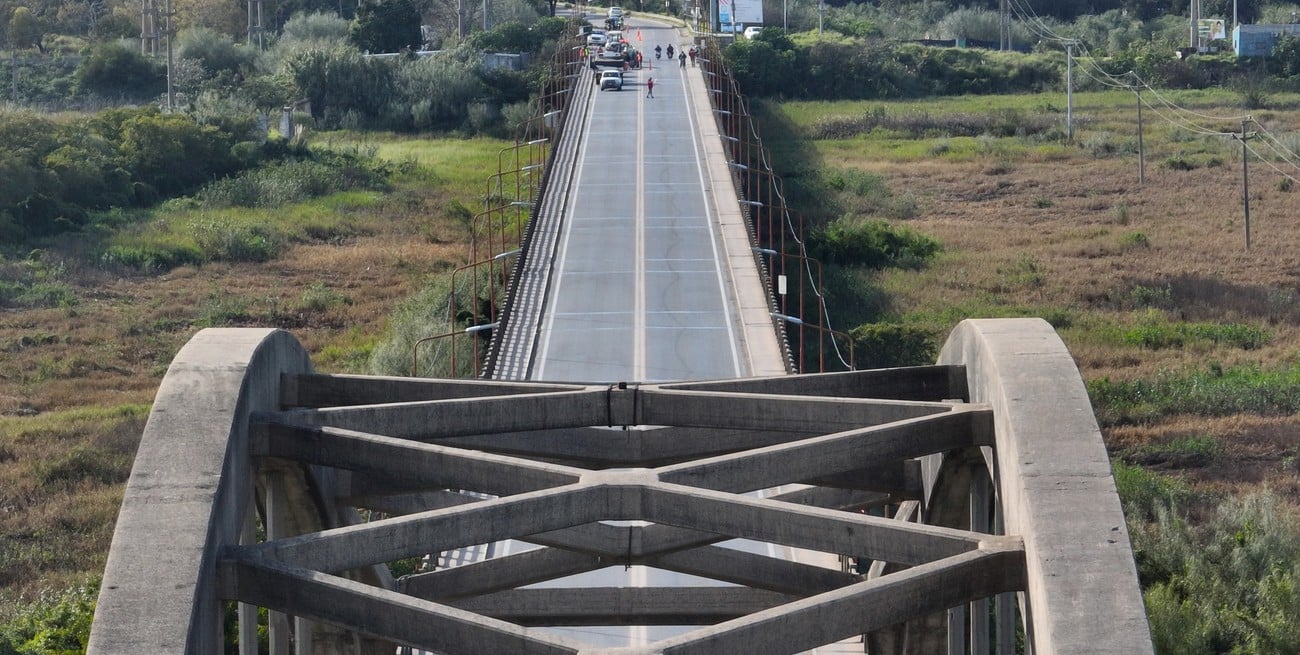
(1245, 175)
(149, 28)
(1069, 89)
(1142, 160)
(1004, 26)
(170, 37)
(255, 24)
(1194, 9)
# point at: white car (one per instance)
(752, 31)
(611, 79)
(596, 38)
(615, 12)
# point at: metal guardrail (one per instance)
(775, 230)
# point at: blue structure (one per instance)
(1258, 40)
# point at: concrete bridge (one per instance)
(671, 488)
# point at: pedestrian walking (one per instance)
(681, 57)
(650, 87)
(692, 54)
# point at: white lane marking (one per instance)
(639, 321)
(557, 266)
(713, 237)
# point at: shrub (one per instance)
(1134, 240)
(226, 240)
(883, 345)
(280, 184)
(873, 244)
(151, 258)
(216, 52)
(318, 298)
(54, 624)
(115, 70)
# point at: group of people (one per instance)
(682, 55)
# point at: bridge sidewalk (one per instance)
(756, 330)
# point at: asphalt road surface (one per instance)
(639, 291)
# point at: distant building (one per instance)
(1258, 40)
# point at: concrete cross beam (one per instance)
(612, 606)
(463, 464)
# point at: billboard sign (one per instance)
(734, 15)
(1211, 29)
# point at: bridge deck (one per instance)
(650, 275)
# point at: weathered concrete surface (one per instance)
(201, 458)
(188, 493)
(1055, 487)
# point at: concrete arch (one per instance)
(1054, 487)
(189, 492)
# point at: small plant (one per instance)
(1043, 202)
(224, 239)
(1285, 184)
(1192, 451)
(1147, 296)
(1179, 163)
(318, 298)
(1135, 240)
(1025, 272)
(1119, 212)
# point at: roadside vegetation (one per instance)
(1186, 340)
(931, 200)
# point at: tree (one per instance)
(386, 26)
(112, 69)
(26, 30)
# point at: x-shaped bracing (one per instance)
(768, 440)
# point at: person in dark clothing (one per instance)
(650, 87)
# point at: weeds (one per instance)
(921, 124)
(1210, 392)
(1026, 272)
(1231, 585)
(319, 298)
(1135, 241)
(1155, 332)
(1182, 452)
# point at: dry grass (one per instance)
(1043, 229)
(75, 382)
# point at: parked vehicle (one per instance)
(596, 38)
(752, 31)
(611, 80)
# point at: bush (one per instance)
(215, 51)
(873, 244)
(1229, 586)
(55, 624)
(152, 258)
(434, 93)
(885, 345)
(117, 70)
(225, 240)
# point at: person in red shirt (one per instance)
(650, 87)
